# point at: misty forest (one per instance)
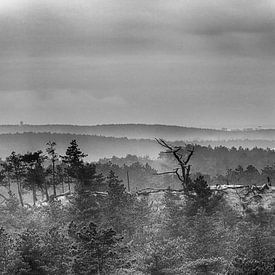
(137, 137)
(192, 210)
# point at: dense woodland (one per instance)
(100, 146)
(60, 214)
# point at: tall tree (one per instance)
(97, 250)
(53, 157)
(85, 202)
(16, 170)
(35, 173)
(74, 160)
(117, 202)
(183, 157)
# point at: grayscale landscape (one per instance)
(137, 137)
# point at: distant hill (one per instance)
(144, 131)
(95, 146)
(105, 147)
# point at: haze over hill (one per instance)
(145, 131)
(105, 147)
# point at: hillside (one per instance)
(98, 147)
(95, 146)
(145, 131)
(235, 198)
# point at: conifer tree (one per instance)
(74, 160)
(35, 173)
(52, 155)
(16, 170)
(96, 251)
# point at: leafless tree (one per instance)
(183, 159)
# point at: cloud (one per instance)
(95, 27)
(193, 58)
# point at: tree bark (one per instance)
(53, 178)
(34, 194)
(19, 190)
(63, 188)
(46, 191)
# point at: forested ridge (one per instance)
(98, 146)
(145, 131)
(61, 214)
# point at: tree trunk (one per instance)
(34, 194)
(20, 193)
(63, 188)
(53, 178)
(69, 185)
(9, 183)
(46, 191)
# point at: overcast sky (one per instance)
(186, 62)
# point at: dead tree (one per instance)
(183, 171)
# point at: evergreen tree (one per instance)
(74, 160)
(35, 177)
(254, 251)
(10, 260)
(30, 248)
(199, 195)
(174, 215)
(205, 244)
(55, 249)
(16, 170)
(52, 155)
(85, 202)
(117, 203)
(96, 251)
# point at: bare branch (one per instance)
(184, 174)
(178, 175)
(4, 197)
(163, 144)
(165, 173)
(191, 152)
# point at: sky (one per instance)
(179, 62)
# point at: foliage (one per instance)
(96, 251)
(97, 227)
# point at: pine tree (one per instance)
(16, 170)
(199, 195)
(31, 248)
(116, 204)
(205, 244)
(35, 177)
(52, 155)
(254, 248)
(96, 251)
(55, 250)
(174, 215)
(85, 202)
(74, 159)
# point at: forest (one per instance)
(61, 214)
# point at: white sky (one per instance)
(188, 62)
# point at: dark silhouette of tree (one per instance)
(15, 169)
(30, 248)
(35, 173)
(85, 202)
(182, 159)
(53, 157)
(96, 251)
(61, 175)
(117, 203)
(197, 192)
(74, 160)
